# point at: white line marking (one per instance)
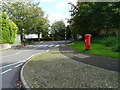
(35, 46)
(6, 71)
(30, 57)
(18, 65)
(82, 56)
(22, 60)
(21, 51)
(13, 54)
(12, 64)
(47, 50)
(41, 45)
(50, 45)
(57, 45)
(18, 62)
(45, 45)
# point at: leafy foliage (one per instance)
(29, 17)
(116, 47)
(58, 30)
(92, 17)
(9, 29)
(110, 41)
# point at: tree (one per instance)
(92, 17)
(58, 30)
(8, 30)
(18, 12)
(40, 22)
(28, 16)
(68, 33)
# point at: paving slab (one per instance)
(66, 68)
(98, 61)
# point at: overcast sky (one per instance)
(56, 9)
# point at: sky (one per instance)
(56, 9)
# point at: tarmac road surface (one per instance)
(13, 59)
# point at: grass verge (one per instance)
(96, 49)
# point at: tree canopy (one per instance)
(58, 30)
(29, 17)
(92, 17)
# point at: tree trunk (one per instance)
(118, 33)
(38, 36)
(52, 37)
(21, 38)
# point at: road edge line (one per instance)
(25, 85)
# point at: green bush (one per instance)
(116, 47)
(8, 30)
(110, 41)
(106, 40)
(31, 42)
(97, 39)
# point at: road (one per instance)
(13, 59)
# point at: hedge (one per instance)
(8, 30)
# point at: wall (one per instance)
(17, 41)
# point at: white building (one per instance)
(32, 36)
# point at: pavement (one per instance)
(97, 61)
(67, 68)
(13, 59)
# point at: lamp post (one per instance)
(65, 36)
(24, 37)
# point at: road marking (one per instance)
(12, 64)
(82, 56)
(66, 51)
(45, 45)
(22, 60)
(19, 61)
(18, 65)
(41, 45)
(22, 51)
(19, 52)
(47, 50)
(13, 54)
(35, 46)
(57, 45)
(30, 57)
(50, 45)
(6, 71)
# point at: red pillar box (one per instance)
(87, 42)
